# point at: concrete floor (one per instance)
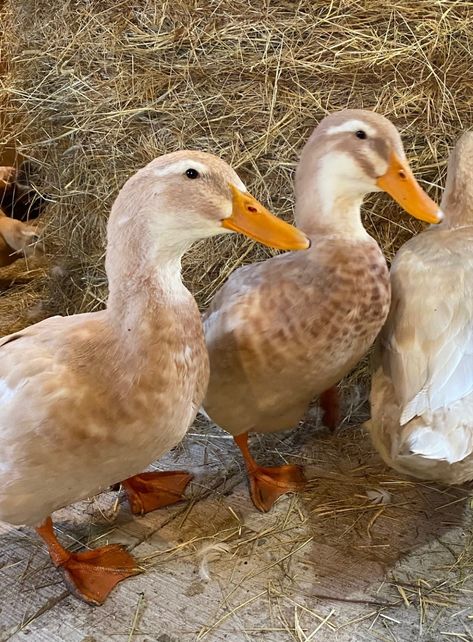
(364, 554)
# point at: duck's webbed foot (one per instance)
(148, 491)
(268, 483)
(89, 575)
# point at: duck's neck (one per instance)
(457, 201)
(144, 279)
(328, 206)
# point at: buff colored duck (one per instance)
(282, 331)
(90, 400)
(422, 391)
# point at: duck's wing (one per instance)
(240, 282)
(38, 351)
(257, 300)
(30, 331)
(427, 342)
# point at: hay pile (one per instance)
(94, 90)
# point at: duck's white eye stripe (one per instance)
(351, 126)
(180, 167)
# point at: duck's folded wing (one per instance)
(428, 337)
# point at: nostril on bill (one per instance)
(252, 209)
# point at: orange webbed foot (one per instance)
(267, 484)
(92, 575)
(152, 490)
(89, 575)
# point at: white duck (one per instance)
(92, 399)
(422, 391)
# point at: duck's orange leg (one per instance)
(269, 483)
(330, 403)
(149, 491)
(89, 575)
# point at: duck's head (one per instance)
(354, 152)
(188, 195)
(457, 200)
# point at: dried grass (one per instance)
(94, 90)
(333, 559)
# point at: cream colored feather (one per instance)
(422, 391)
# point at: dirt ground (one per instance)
(364, 554)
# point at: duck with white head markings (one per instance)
(283, 331)
(91, 400)
(422, 389)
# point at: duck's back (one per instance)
(282, 331)
(422, 391)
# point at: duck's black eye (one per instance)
(361, 134)
(192, 173)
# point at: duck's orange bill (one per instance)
(252, 219)
(399, 182)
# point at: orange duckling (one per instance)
(18, 239)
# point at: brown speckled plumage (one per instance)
(83, 421)
(283, 331)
